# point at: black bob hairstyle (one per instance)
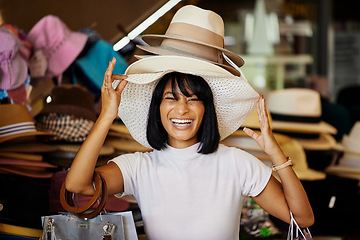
(208, 133)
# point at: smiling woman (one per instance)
(189, 186)
(181, 107)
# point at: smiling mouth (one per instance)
(181, 122)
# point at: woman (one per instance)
(184, 189)
(189, 186)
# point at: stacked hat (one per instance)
(13, 67)
(349, 163)
(196, 33)
(70, 114)
(21, 144)
(120, 139)
(52, 38)
(199, 50)
(90, 68)
(297, 112)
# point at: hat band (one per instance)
(17, 128)
(291, 118)
(196, 33)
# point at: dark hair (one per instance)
(208, 133)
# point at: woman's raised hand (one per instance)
(266, 140)
(110, 97)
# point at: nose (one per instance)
(181, 107)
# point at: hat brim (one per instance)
(27, 147)
(20, 136)
(156, 64)
(174, 52)
(156, 40)
(234, 98)
(323, 142)
(350, 172)
(308, 128)
(350, 144)
(66, 54)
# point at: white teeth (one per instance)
(181, 121)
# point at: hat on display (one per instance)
(13, 67)
(59, 44)
(234, 98)
(71, 99)
(17, 123)
(196, 33)
(297, 112)
(95, 62)
(349, 162)
(290, 147)
(67, 127)
(70, 113)
(351, 142)
(38, 64)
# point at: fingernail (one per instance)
(244, 128)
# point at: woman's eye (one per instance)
(169, 98)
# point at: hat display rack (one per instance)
(45, 117)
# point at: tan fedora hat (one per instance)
(297, 110)
(16, 123)
(196, 33)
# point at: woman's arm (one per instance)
(277, 198)
(79, 178)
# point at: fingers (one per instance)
(262, 112)
(108, 74)
(121, 86)
(250, 133)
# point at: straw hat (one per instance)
(351, 142)
(197, 33)
(297, 110)
(234, 98)
(17, 123)
(290, 147)
(349, 163)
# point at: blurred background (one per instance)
(286, 45)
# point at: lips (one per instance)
(181, 122)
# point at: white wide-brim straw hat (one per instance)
(196, 33)
(234, 98)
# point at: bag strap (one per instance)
(66, 199)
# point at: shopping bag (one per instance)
(109, 226)
(295, 232)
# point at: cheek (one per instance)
(164, 109)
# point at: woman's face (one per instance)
(181, 117)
